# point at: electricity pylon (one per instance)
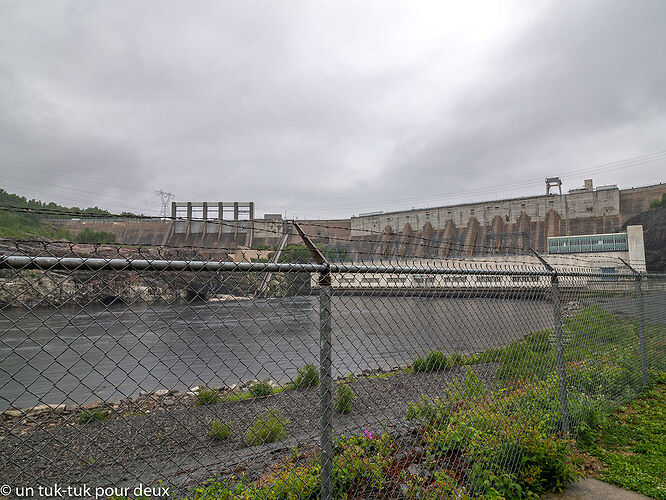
(165, 198)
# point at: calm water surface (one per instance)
(76, 355)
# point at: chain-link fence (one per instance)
(130, 371)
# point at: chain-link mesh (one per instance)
(177, 370)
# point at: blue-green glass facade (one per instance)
(616, 242)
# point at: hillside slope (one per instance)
(17, 223)
(654, 232)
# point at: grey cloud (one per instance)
(325, 109)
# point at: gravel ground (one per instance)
(171, 443)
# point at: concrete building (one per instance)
(597, 250)
(507, 226)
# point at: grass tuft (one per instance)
(261, 389)
(95, 415)
(267, 428)
(343, 399)
(207, 397)
(432, 362)
(308, 375)
(219, 430)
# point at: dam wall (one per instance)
(502, 226)
(483, 228)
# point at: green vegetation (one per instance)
(94, 415)
(504, 442)
(16, 222)
(219, 430)
(437, 360)
(267, 428)
(343, 399)
(261, 389)
(308, 375)
(90, 236)
(659, 203)
(207, 396)
(470, 444)
(490, 432)
(431, 362)
(632, 444)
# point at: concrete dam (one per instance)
(481, 228)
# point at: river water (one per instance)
(76, 355)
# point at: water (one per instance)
(76, 355)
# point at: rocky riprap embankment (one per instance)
(35, 287)
(44, 416)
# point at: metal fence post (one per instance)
(325, 376)
(325, 388)
(559, 346)
(641, 327)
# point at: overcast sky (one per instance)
(327, 109)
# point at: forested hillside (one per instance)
(16, 222)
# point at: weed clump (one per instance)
(207, 397)
(95, 415)
(261, 389)
(267, 428)
(343, 399)
(219, 430)
(308, 375)
(431, 362)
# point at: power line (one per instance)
(604, 167)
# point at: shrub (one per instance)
(513, 451)
(343, 399)
(267, 428)
(207, 397)
(95, 415)
(361, 461)
(260, 389)
(659, 203)
(90, 236)
(219, 430)
(431, 362)
(308, 375)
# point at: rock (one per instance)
(61, 408)
(196, 388)
(13, 413)
(91, 406)
(414, 470)
(40, 408)
(161, 392)
(144, 393)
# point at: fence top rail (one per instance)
(99, 264)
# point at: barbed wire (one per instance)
(423, 243)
